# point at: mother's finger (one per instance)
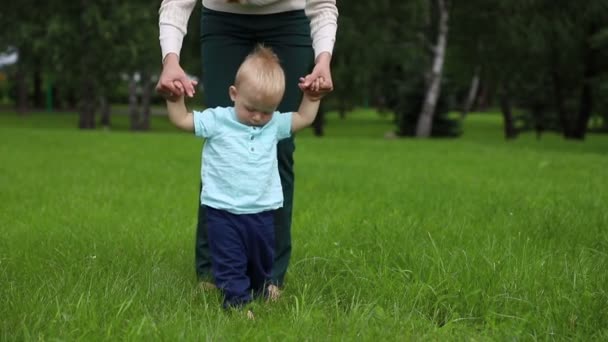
(166, 86)
(326, 87)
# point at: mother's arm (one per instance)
(323, 15)
(173, 22)
(322, 71)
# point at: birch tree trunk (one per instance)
(425, 119)
(472, 93)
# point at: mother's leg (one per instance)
(288, 34)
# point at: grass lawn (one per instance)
(472, 238)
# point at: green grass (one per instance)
(452, 239)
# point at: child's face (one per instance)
(251, 108)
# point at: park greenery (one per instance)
(542, 62)
(394, 239)
(495, 233)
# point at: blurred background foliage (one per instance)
(542, 63)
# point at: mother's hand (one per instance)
(321, 70)
(173, 81)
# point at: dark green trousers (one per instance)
(226, 39)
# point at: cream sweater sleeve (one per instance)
(173, 24)
(323, 15)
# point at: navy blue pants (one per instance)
(242, 252)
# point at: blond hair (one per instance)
(262, 70)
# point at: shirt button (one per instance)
(252, 137)
(252, 149)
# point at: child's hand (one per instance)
(314, 91)
(177, 97)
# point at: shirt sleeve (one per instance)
(205, 123)
(283, 125)
(323, 15)
(173, 24)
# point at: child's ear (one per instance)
(232, 92)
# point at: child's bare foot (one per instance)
(274, 293)
(206, 286)
(250, 315)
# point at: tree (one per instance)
(20, 24)
(551, 71)
(92, 43)
(385, 64)
(425, 119)
(143, 59)
(86, 47)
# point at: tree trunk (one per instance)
(38, 97)
(88, 87)
(586, 104)
(48, 92)
(586, 100)
(472, 93)
(343, 108)
(21, 89)
(558, 92)
(505, 106)
(87, 105)
(58, 102)
(133, 104)
(483, 97)
(146, 98)
(425, 119)
(105, 109)
(539, 119)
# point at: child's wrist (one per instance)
(313, 98)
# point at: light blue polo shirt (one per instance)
(240, 170)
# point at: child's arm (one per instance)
(309, 107)
(179, 115)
